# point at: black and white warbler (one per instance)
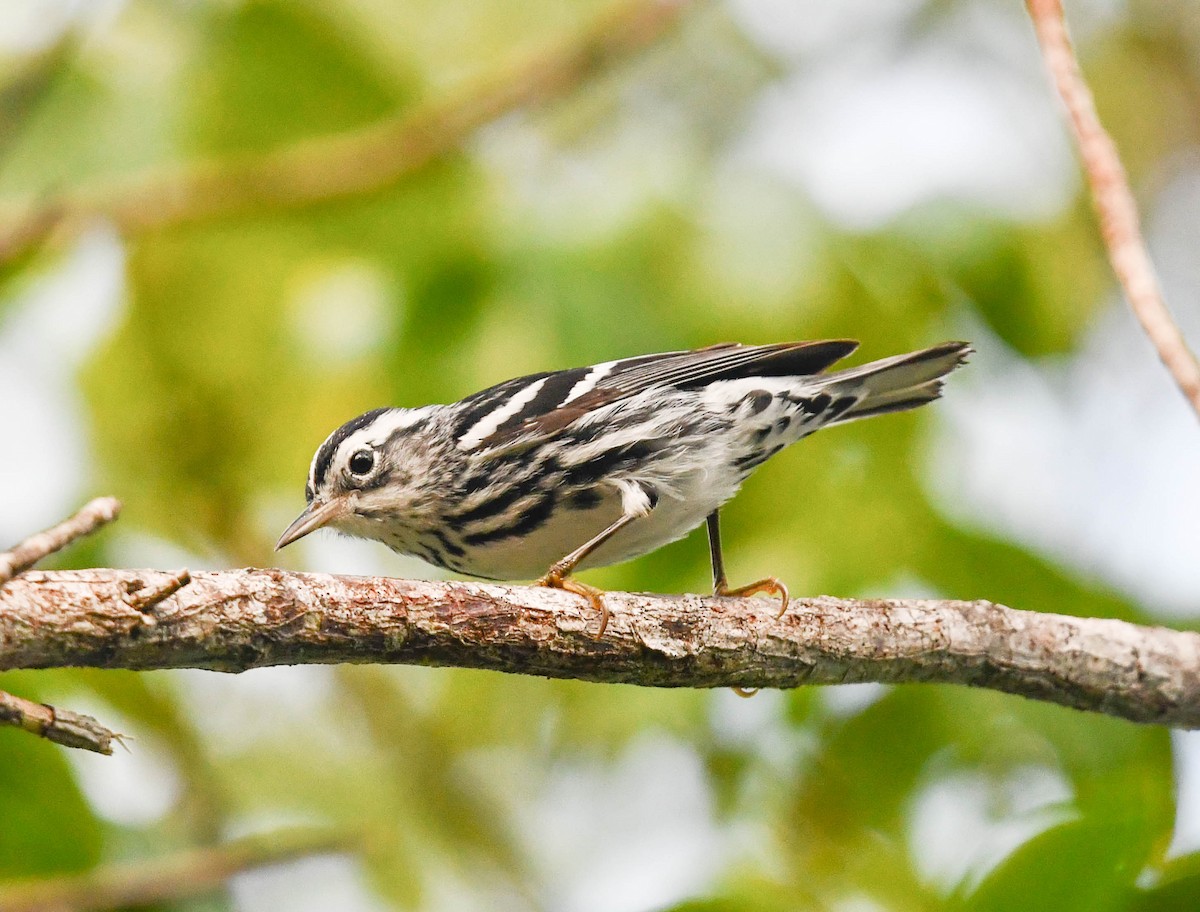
(542, 475)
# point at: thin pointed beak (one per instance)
(314, 517)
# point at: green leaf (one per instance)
(272, 72)
(1177, 890)
(46, 826)
(1036, 286)
(24, 90)
(1079, 866)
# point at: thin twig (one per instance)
(161, 880)
(91, 517)
(1114, 201)
(61, 726)
(242, 619)
(144, 600)
(343, 165)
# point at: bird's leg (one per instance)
(557, 576)
(770, 585)
(715, 553)
(721, 584)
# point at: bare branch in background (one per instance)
(1114, 202)
(344, 165)
(160, 880)
(61, 726)
(242, 619)
(95, 514)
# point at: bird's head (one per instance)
(366, 479)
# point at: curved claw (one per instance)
(555, 580)
(770, 585)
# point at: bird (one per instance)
(543, 475)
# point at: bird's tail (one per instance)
(898, 383)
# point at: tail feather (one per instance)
(898, 383)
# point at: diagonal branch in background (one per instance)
(61, 726)
(174, 877)
(1113, 200)
(91, 516)
(243, 619)
(344, 165)
(70, 729)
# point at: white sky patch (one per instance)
(792, 28)
(343, 310)
(963, 823)
(845, 700)
(131, 547)
(259, 706)
(1186, 745)
(873, 131)
(649, 817)
(760, 243)
(316, 884)
(32, 25)
(761, 726)
(857, 902)
(486, 426)
(1090, 460)
(133, 787)
(65, 311)
(582, 193)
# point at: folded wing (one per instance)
(531, 409)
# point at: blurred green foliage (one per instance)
(244, 340)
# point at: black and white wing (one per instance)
(531, 409)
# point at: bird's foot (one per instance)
(555, 579)
(770, 585)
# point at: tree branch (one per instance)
(91, 517)
(245, 619)
(161, 880)
(349, 164)
(70, 729)
(1114, 201)
(61, 726)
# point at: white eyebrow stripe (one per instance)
(388, 422)
(589, 382)
(393, 420)
(487, 425)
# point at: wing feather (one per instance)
(545, 415)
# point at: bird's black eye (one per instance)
(362, 462)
